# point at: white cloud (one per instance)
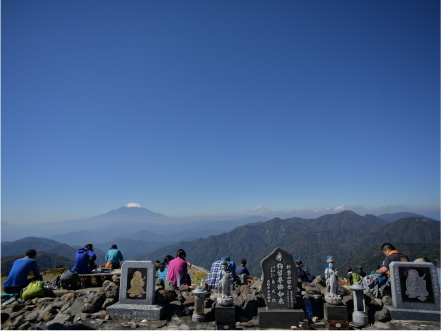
(133, 205)
(339, 208)
(257, 208)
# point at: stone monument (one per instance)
(334, 311)
(279, 288)
(359, 315)
(415, 291)
(331, 296)
(137, 292)
(225, 310)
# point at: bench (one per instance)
(97, 277)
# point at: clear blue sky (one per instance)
(217, 107)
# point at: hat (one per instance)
(348, 269)
(299, 262)
(329, 258)
(114, 246)
(360, 267)
(224, 262)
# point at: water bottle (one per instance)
(308, 308)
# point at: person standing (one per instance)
(18, 276)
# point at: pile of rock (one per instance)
(71, 310)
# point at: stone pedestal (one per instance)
(359, 315)
(138, 312)
(225, 317)
(414, 314)
(335, 312)
(279, 318)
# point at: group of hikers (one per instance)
(175, 270)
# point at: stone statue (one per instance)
(331, 296)
(224, 292)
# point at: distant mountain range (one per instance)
(397, 216)
(346, 235)
(124, 223)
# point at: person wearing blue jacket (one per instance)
(18, 276)
(113, 258)
(85, 260)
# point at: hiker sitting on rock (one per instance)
(360, 271)
(391, 255)
(177, 270)
(163, 268)
(213, 276)
(304, 275)
(353, 277)
(18, 276)
(113, 258)
(242, 272)
(85, 260)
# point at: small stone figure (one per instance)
(224, 292)
(416, 286)
(331, 296)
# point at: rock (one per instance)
(5, 317)
(79, 317)
(382, 315)
(313, 289)
(342, 291)
(164, 296)
(250, 309)
(88, 308)
(159, 282)
(183, 288)
(239, 301)
(257, 285)
(108, 302)
(116, 279)
(169, 286)
(112, 294)
(96, 302)
(16, 306)
(319, 280)
(25, 326)
(387, 300)
(68, 297)
(110, 286)
(189, 301)
(185, 295)
(76, 308)
(18, 321)
(32, 316)
(348, 301)
(60, 318)
(314, 319)
(48, 316)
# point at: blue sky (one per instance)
(219, 107)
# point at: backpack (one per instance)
(355, 278)
(36, 289)
(69, 280)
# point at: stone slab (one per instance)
(137, 285)
(279, 318)
(413, 314)
(138, 312)
(414, 286)
(280, 277)
(335, 312)
(225, 315)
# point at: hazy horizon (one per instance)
(273, 108)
